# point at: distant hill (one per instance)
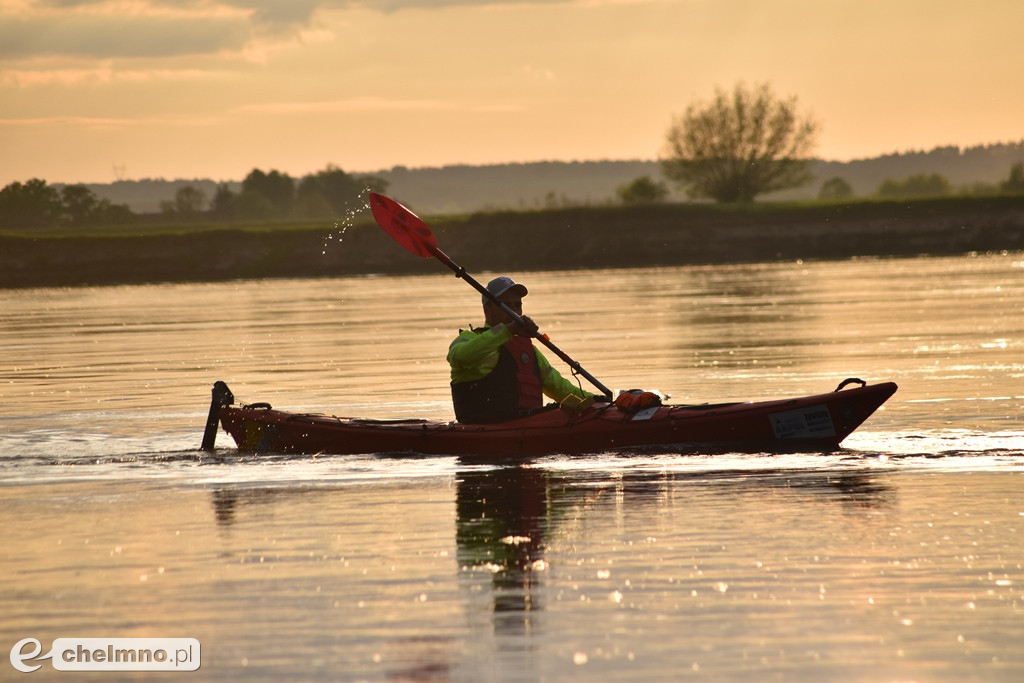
(144, 196)
(546, 184)
(550, 184)
(963, 168)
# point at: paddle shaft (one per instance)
(542, 338)
(413, 234)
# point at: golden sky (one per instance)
(91, 90)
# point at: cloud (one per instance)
(398, 5)
(103, 36)
(376, 104)
(301, 11)
(283, 13)
(102, 29)
(103, 73)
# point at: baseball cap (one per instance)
(500, 285)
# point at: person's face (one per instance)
(496, 315)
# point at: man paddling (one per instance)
(497, 373)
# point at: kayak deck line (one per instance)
(802, 424)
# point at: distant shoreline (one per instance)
(661, 235)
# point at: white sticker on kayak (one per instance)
(812, 421)
(645, 414)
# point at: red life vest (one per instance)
(531, 391)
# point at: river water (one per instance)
(898, 558)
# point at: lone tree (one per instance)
(740, 145)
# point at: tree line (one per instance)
(264, 196)
(645, 190)
(330, 193)
(35, 204)
(927, 185)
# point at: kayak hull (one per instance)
(805, 424)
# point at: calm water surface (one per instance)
(899, 558)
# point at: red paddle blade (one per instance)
(403, 225)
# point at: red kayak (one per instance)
(809, 423)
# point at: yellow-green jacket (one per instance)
(486, 385)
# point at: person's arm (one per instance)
(555, 386)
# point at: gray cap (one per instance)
(500, 285)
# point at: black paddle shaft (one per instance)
(413, 234)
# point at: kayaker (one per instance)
(497, 373)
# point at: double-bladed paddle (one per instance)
(411, 232)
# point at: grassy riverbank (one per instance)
(662, 235)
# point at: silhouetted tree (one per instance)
(740, 145)
(32, 204)
(277, 188)
(35, 204)
(835, 188)
(915, 187)
(188, 202)
(113, 214)
(252, 205)
(80, 205)
(339, 189)
(643, 190)
(220, 205)
(1015, 183)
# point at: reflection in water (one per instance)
(501, 524)
(634, 571)
(507, 517)
(227, 502)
